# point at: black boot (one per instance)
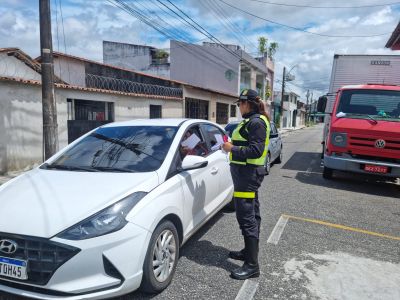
(237, 255)
(250, 267)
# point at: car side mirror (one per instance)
(321, 106)
(193, 162)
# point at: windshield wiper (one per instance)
(362, 115)
(134, 147)
(67, 168)
(113, 169)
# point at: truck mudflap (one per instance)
(373, 167)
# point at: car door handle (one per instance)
(214, 171)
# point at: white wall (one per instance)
(13, 67)
(21, 119)
(70, 70)
(21, 125)
(212, 98)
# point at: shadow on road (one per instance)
(200, 251)
(352, 183)
(301, 161)
(204, 252)
(308, 165)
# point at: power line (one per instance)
(312, 6)
(185, 46)
(300, 29)
(229, 24)
(65, 44)
(197, 26)
(162, 30)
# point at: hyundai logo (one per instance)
(8, 246)
(380, 144)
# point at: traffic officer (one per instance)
(248, 152)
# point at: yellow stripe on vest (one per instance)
(245, 195)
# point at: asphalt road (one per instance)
(336, 239)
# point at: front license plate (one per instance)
(13, 268)
(376, 169)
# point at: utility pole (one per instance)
(282, 97)
(307, 108)
(49, 110)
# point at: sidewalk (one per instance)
(286, 131)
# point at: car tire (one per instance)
(166, 257)
(268, 164)
(327, 173)
(279, 158)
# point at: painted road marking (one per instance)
(342, 227)
(248, 290)
(278, 229)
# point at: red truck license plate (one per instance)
(375, 169)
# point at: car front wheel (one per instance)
(280, 158)
(161, 258)
(268, 164)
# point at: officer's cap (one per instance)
(248, 95)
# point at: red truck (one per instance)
(362, 133)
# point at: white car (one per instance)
(108, 214)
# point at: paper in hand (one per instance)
(191, 142)
(220, 141)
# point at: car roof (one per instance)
(148, 122)
(158, 122)
(237, 122)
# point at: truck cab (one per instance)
(363, 135)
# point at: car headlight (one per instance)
(110, 219)
(339, 139)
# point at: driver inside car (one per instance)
(198, 150)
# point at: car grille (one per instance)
(368, 143)
(44, 257)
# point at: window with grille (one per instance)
(155, 111)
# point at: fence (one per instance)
(127, 86)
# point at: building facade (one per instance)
(88, 94)
(226, 68)
(290, 109)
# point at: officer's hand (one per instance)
(227, 147)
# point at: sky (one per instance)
(80, 26)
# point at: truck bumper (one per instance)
(357, 165)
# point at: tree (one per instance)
(272, 50)
(262, 45)
(160, 54)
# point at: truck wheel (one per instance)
(327, 173)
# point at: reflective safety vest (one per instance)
(239, 140)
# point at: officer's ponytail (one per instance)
(259, 107)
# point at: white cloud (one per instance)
(381, 17)
(87, 23)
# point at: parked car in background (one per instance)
(109, 213)
(275, 144)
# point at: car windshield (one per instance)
(118, 149)
(370, 104)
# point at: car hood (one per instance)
(45, 202)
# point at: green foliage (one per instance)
(160, 54)
(268, 92)
(277, 121)
(273, 47)
(262, 45)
